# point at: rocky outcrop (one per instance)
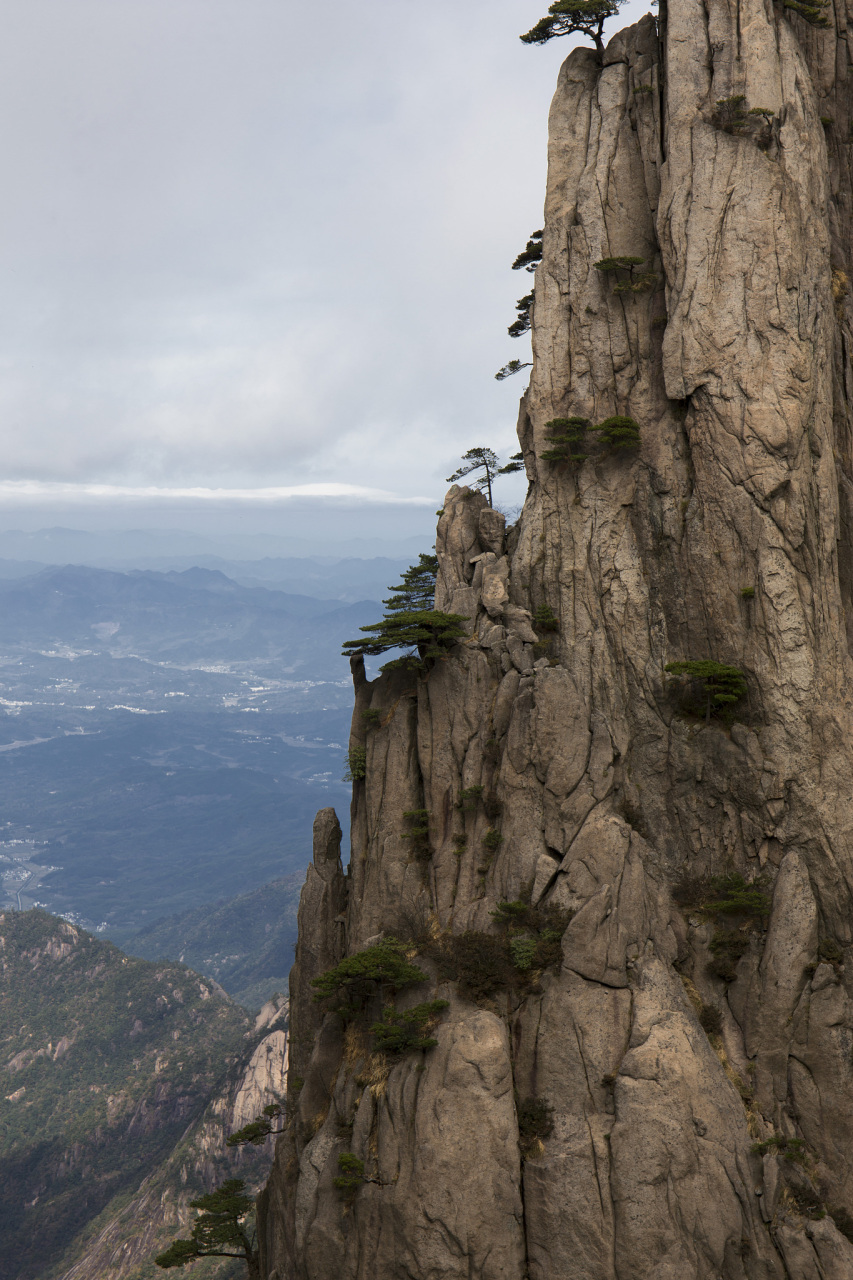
(696, 1062)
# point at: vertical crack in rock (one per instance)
(666, 1090)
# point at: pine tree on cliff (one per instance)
(219, 1230)
(568, 16)
(411, 622)
(486, 460)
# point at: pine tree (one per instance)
(531, 254)
(219, 1230)
(416, 588)
(567, 16)
(722, 685)
(486, 460)
(411, 622)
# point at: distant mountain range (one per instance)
(120, 1080)
(133, 547)
(177, 616)
(245, 944)
(165, 738)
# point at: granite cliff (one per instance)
(671, 1094)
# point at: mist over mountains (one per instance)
(166, 736)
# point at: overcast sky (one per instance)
(259, 245)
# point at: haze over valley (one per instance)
(167, 736)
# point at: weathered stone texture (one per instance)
(667, 1155)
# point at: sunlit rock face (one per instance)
(693, 1043)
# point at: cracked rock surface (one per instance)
(695, 1064)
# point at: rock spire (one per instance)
(668, 1094)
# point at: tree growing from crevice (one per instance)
(219, 1230)
(627, 279)
(531, 254)
(258, 1130)
(411, 623)
(565, 17)
(521, 324)
(565, 436)
(722, 685)
(487, 462)
(514, 366)
(416, 588)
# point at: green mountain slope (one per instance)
(245, 944)
(105, 1061)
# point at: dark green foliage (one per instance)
(730, 114)
(371, 718)
(545, 619)
(643, 88)
(218, 1231)
(514, 366)
(516, 463)
(725, 896)
(428, 635)
(728, 894)
(485, 460)
(792, 1149)
(492, 840)
(417, 831)
(531, 255)
(401, 1033)
(481, 964)
(535, 1123)
(543, 920)
(731, 895)
(628, 279)
(356, 766)
(829, 951)
(815, 14)
(512, 913)
(522, 324)
(410, 623)
(351, 1174)
(147, 1040)
(721, 685)
(619, 432)
(624, 263)
(711, 1020)
(258, 1130)
(747, 593)
(727, 947)
(827, 121)
(568, 16)
(565, 436)
(469, 797)
(416, 588)
(351, 983)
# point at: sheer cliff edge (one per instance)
(635, 899)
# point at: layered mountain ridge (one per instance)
(671, 1095)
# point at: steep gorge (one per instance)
(676, 1151)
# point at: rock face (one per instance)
(695, 1055)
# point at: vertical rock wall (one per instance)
(675, 1152)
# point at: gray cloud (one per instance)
(250, 242)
